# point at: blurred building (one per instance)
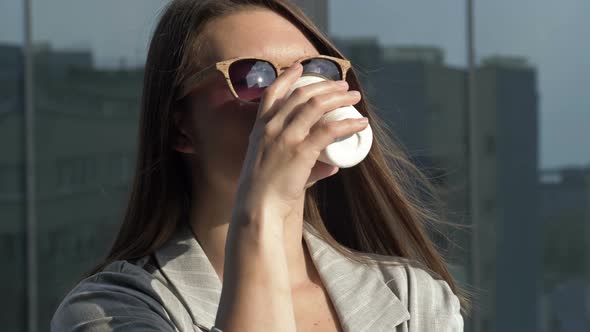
(569, 305)
(423, 102)
(507, 110)
(317, 10)
(565, 210)
(366, 57)
(85, 130)
(12, 201)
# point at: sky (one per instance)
(549, 33)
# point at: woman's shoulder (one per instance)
(403, 272)
(122, 289)
(137, 277)
(428, 298)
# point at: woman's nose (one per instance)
(282, 69)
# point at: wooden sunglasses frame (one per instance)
(223, 66)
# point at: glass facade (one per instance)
(87, 97)
(13, 285)
(502, 137)
(86, 85)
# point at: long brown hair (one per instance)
(384, 205)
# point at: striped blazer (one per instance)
(177, 289)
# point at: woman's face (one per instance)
(218, 126)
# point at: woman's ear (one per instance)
(182, 140)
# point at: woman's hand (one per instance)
(286, 141)
(283, 148)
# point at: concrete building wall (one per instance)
(516, 144)
(317, 10)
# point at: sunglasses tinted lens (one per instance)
(324, 67)
(250, 77)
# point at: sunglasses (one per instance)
(248, 77)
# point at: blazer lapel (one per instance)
(184, 263)
(360, 296)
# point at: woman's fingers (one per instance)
(277, 90)
(308, 114)
(308, 94)
(324, 133)
(287, 139)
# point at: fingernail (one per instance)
(296, 66)
(363, 120)
(354, 93)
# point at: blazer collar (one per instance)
(360, 296)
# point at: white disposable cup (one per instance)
(346, 151)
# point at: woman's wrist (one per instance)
(258, 221)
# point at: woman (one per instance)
(232, 223)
